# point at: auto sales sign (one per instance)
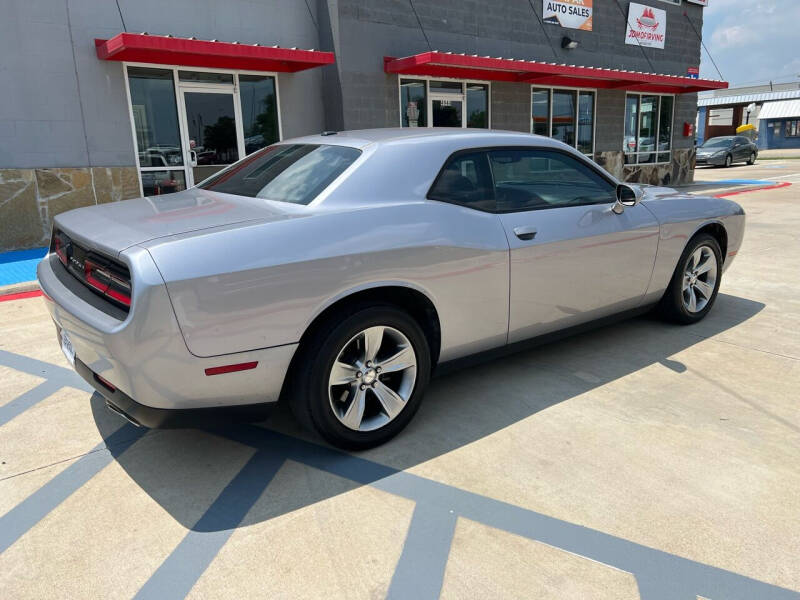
(575, 14)
(647, 26)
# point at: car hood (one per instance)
(113, 227)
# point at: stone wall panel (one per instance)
(30, 198)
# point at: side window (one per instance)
(465, 180)
(533, 179)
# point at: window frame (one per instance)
(655, 150)
(429, 102)
(550, 90)
(578, 156)
(177, 86)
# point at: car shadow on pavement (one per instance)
(214, 482)
(190, 472)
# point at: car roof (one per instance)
(361, 138)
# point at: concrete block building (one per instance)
(102, 101)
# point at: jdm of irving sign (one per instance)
(647, 26)
(575, 14)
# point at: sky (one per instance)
(752, 41)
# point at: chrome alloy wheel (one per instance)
(699, 279)
(372, 378)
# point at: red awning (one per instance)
(188, 52)
(464, 66)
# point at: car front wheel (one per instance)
(752, 158)
(361, 376)
(728, 160)
(695, 283)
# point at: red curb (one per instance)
(21, 295)
(769, 187)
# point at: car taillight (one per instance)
(107, 282)
(60, 248)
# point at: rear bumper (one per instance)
(162, 418)
(143, 355)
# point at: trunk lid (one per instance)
(113, 227)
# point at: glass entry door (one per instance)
(447, 110)
(213, 130)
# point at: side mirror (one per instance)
(192, 158)
(627, 195)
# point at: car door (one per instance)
(572, 259)
(741, 149)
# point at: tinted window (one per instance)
(465, 180)
(717, 142)
(259, 111)
(530, 179)
(155, 117)
(294, 173)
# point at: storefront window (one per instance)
(648, 121)
(477, 105)
(648, 128)
(435, 103)
(259, 111)
(631, 127)
(155, 183)
(191, 124)
(585, 122)
(155, 117)
(665, 128)
(565, 115)
(540, 112)
(413, 102)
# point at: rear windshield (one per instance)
(294, 173)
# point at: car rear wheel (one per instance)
(728, 160)
(695, 283)
(752, 158)
(361, 376)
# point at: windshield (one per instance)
(294, 173)
(717, 142)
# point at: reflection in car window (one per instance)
(294, 173)
(465, 180)
(531, 179)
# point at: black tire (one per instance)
(672, 306)
(752, 159)
(309, 393)
(728, 161)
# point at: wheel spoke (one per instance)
(404, 359)
(707, 265)
(355, 412)
(392, 403)
(692, 304)
(705, 289)
(696, 258)
(342, 373)
(373, 337)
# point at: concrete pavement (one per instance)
(639, 460)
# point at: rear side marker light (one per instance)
(231, 368)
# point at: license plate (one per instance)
(66, 348)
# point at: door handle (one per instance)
(525, 233)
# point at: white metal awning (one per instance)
(780, 110)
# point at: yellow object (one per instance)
(749, 131)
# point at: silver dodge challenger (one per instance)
(336, 271)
